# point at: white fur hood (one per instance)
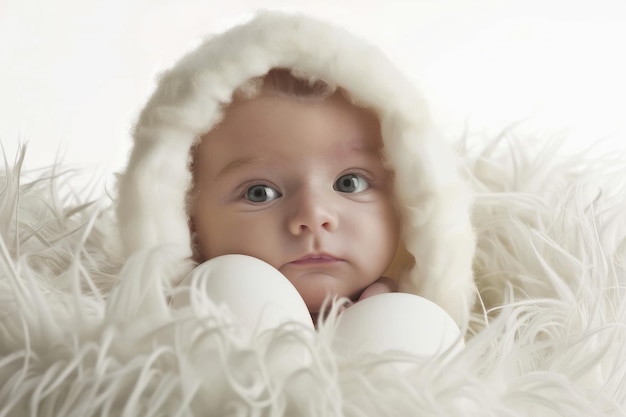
(435, 202)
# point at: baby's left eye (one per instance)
(351, 183)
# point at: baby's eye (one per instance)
(261, 193)
(351, 183)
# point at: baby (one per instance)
(289, 140)
(293, 175)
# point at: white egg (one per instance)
(258, 296)
(398, 322)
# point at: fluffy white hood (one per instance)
(434, 200)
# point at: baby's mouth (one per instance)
(316, 259)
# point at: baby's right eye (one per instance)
(261, 193)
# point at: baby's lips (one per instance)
(316, 258)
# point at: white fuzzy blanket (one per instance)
(80, 335)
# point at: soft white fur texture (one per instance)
(83, 335)
(433, 198)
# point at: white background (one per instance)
(74, 73)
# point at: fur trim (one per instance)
(434, 200)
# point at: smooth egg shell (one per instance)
(258, 295)
(399, 322)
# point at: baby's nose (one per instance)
(312, 212)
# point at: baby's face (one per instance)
(301, 185)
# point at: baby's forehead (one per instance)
(272, 103)
(270, 125)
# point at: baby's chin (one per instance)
(322, 297)
(317, 286)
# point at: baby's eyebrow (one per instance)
(359, 148)
(241, 163)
